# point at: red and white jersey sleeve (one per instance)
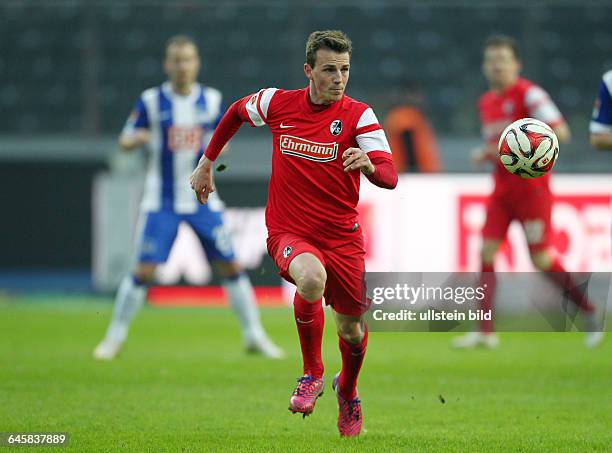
(370, 136)
(258, 106)
(541, 107)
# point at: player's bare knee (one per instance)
(311, 283)
(309, 276)
(145, 273)
(488, 251)
(351, 332)
(541, 260)
(487, 255)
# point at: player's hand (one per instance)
(483, 154)
(354, 158)
(142, 137)
(136, 139)
(201, 180)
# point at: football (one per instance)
(528, 148)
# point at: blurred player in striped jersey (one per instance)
(601, 122)
(528, 201)
(174, 121)
(323, 141)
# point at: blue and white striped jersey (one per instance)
(180, 128)
(601, 122)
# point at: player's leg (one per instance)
(309, 275)
(156, 233)
(498, 218)
(552, 267)
(345, 293)
(216, 240)
(537, 231)
(301, 263)
(353, 342)
(488, 280)
(241, 296)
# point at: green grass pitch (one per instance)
(184, 384)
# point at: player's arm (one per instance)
(201, 178)
(222, 111)
(602, 141)
(135, 133)
(207, 139)
(486, 152)
(601, 122)
(563, 132)
(252, 109)
(379, 170)
(136, 139)
(373, 157)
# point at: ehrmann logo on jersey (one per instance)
(300, 147)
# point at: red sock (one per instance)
(352, 358)
(564, 279)
(309, 319)
(488, 281)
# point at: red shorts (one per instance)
(344, 265)
(532, 208)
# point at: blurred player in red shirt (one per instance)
(322, 142)
(528, 201)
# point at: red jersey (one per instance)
(309, 193)
(498, 110)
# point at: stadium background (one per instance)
(70, 72)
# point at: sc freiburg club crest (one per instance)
(335, 127)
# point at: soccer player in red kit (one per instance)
(322, 142)
(528, 201)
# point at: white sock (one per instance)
(242, 300)
(130, 298)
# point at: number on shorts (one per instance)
(223, 240)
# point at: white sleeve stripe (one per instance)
(367, 117)
(535, 95)
(600, 128)
(541, 106)
(254, 115)
(251, 108)
(265, 99)
(373, 141)
(547, 112)
(260, 106)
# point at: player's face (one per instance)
(329, 76)
(500, 66)
(182, 64)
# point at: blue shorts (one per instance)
(159, 229)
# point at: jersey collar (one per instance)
(316, 108)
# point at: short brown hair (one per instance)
(503, 41)
(328, 39)
(180, 40)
